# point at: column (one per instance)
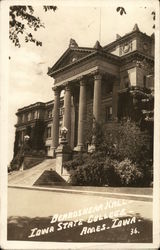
(97, 97)
(82, 115)
(115, 99)
(67, 111)
(55, 141)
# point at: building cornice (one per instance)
(115, 59)
(31, 107)
(136, 55)
(37, 105)
(26, 123)
(112, 58)
(69, 50)
(124, 38)
(91, 51)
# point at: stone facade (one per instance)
(89, 81)
(37, 113)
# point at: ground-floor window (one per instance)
(48, 149)
(108, 115)
(48, 132)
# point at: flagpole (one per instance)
(100, 25)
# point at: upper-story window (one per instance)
(35, 114)
(23, 118)
(49, 113)
(19, 118)
(28, 116)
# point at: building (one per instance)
(89, 80)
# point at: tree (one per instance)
(123, 157)
(121, 10)
(16, 146)
(22, 18)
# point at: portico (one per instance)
(80, 76)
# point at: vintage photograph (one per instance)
(81, 124)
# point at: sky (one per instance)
(28, 79)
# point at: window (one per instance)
(48, 132)
(126, 81)
(49, 113)
(108, 113)
(23, 118)
(35, 114)
(48, 148)
(126, 84)
(61, 111)
(28, 116)
(19, 118)
(107, 88)
(22, 135)
(144, 81)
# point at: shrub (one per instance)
(17, 161)
(73, 164)
(110, 172)
(87, 169)
(128, 173)
(91, 173)
(126, 140)
(123, 157)
(100, 170)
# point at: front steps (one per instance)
(30, 176)
(50, 178)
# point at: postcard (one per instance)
(80, 124)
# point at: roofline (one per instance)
(124, 37)
(105, 54)
(60, 59)
(138, 53)
(94, 53)
(86, 49)
(34, 105)
(89, 49)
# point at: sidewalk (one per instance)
(142, 194)
(33, 208)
